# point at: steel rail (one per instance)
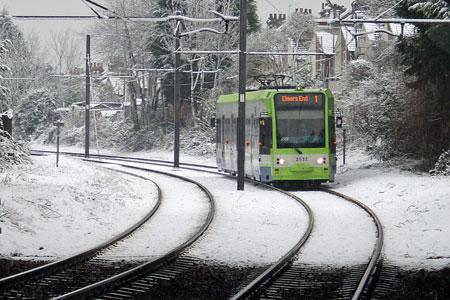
(273, 270)
(107, 284)
(115, 157)
(277, 267)
(85, 254)
(376, 254)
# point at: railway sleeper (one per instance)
(119, 294)
(140, 285)
(110, 297)
(133, 290)
(160, 277)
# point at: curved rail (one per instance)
(127, 158)
(378, 247)
(121, 278)
(271, 271)
(85, 254)
(283, 262)
(277, 267)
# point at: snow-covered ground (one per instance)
(413, 208)
(46, 211)
(49, 212)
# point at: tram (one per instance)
(289, 136)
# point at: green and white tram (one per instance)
(289, 134)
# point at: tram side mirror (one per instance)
(339, 122)
(212, 122)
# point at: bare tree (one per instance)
(66, 50)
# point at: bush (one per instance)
(12, 152)
(442, 166)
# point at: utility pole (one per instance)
(177, 96)
(242, 88)
(88, 96)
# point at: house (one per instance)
(340, 44)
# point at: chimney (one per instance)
(323, 5)
(310, 11)
(301, 10)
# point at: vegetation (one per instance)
(427, 58)
(11, 150)
(395, 100)
(399, 104)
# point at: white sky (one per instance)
(44, 28)
(77, 7)
(47, 7)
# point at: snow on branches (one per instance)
(442, 166)
(12, 152)
(432, 8)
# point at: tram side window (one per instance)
(227, 129)
(233, 129)
(332, 137)
(218, 131)
(265, 135)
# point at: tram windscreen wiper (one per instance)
(298, 150)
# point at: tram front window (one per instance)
(300, 124)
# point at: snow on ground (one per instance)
(95, 203)
(332, 243)
(47, 211)
(413, 208)
(162, 233)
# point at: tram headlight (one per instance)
(281, 161)
(322, 160)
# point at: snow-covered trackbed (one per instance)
(335, 218)
(94, 268)
(253, 227)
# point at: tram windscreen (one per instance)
(300, 120)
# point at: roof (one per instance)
(408, 29)
(327, 41)
(349, 39)
(371, 29)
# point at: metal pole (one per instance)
(57, 145)
(88, 96)
(242, 88)
(176, 100)
(343, 145)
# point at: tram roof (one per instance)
(265, 94)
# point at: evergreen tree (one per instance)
(36, 113)
(427, 56)
(19, 60)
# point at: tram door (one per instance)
(251, 140)
(222, 134)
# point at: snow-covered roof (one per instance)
(349, 39)
(371, 28)
(327, 41)
(408, 29)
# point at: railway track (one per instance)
(87, 272)
(286, 278)
(289, 280)
(299, 279)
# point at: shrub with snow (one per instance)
(12, 152)
(442, 166)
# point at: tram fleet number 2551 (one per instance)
(289, 136)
